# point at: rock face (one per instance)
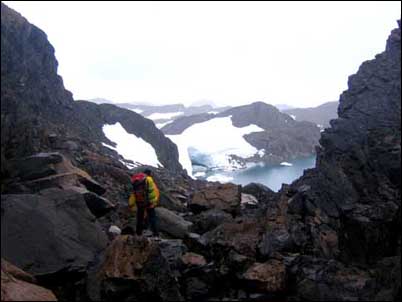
(17, 285)
(349, 207)
(355, 191)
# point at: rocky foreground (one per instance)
(334, 234)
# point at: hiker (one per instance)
(143, 200)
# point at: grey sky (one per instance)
(298, 53)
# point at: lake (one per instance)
(273, 176)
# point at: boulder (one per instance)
(318, 279)
(266, 277)
(193, 260)
(48, 170)
(225, 197)
(98, 205)
(208, 220)
(17, 285)
(274, 241)
(133, 269)
(172, 224)
(56, 229)
(36, 166)
(172, 250)
(242, 237)
(259, 191)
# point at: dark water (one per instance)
(273, 176)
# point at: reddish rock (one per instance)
(134, 268)
(192, 259)
(17, 285)
(266, 277)
(224, 197)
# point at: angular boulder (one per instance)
(242, 237)
(55, 228)
(172, 224)
(208, 220)
(17, 285)
(193, 260)
(267, 277)
(133, 269)
(225, 197)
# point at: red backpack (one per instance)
(138, 182)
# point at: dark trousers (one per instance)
(142, 223)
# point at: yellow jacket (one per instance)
(153, 195)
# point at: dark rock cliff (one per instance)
(349, 207)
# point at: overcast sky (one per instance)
(231, 53)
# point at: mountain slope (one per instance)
(279, 138)
(320, 115)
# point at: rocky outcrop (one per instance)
(348, 209)
(17, 285)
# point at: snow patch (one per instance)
(160, 116)
(136, 110)
(220, 178)
(161, 125)
(130, 146)
(261, 153)
(286, 164)
(216, 139)
(199, 174)
(293, 116)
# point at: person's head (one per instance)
(148, 172)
